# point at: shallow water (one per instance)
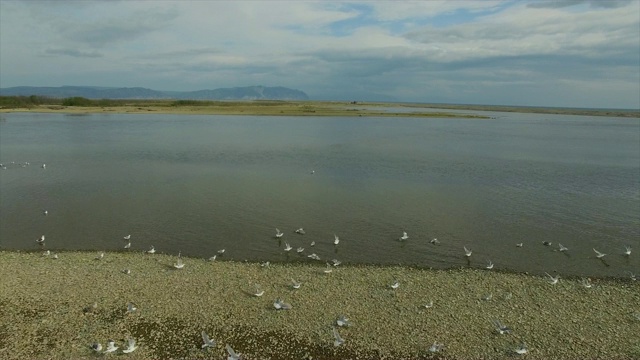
(196, 184)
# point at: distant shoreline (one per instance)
(308, 108)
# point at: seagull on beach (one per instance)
(553, 280)
(281, 305)
(40, 240)
(232, 354)
(599, 255)
(278, 233)
(128, 245)
(314, 256)
(300, 231)
(627, 250)
(179, 264)
(100, 256)
(151, 250)
(467, 252)
(586, 282)
(295, 284)
(429, 305)
(395, 285)
(336, 239)
(343, 321)
(338, 339)
(489, 265)
(126, 271)
(434, 241)
(287, 247)
(213, 258)
(131, 346)
(128, 237)
(207, 341)
(404, 236)
(299, 250)
(521, 349)
(97, 347)
(46, 253)
(258, 292)
(111, 346)
(328, 270)
(500, 328)
(435, 347)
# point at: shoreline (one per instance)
(42, 301)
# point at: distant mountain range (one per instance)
(94, 92)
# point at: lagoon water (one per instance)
(196, 184)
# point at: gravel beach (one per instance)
(57, 308)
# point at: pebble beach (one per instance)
(57, 308)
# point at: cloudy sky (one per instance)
(542, 53)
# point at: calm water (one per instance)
(197, 184)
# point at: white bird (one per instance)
(44, 166)
(336, 262)
(599, 255)
(300, 231)
(467, 252)
(151, 250)
(313, 243)
(221, 251)
(232, 354)
(429, 305)
(279, 233)
(111, 346)
(434, 241)
(314, 256)
(519, 244)
(100, 256)
(265, 264)
(287, 247)
(97, 347)
(46, 253)
(343, 321)
(395, 285)
(632, 276)
(295, 284)
(404, 236)
(55, 256)
(336, 239)
(586, 282)
(299, 250)
(131, 346)
(500, 328)
(281, 305)
(127, 237)
(258, 292)
(435, 347)
(627, 250)
(128, 245)
(213, 258)
(546, 243)
(553, 280)
(338, 339)
(45, 212)
(179, 264)
(40, 240)
(562, 248)
(131, 308)
(126, 271)
(207, 341)
(489, 265)
(328, 270)
(521, 349)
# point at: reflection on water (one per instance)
(197, 184)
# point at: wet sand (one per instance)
(42, 317)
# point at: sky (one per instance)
(565, 53)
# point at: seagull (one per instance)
(179, 264)
(501, 329)
(41, 240)
(300, 231)
(429, 305)
(553, 280)
(130, 347)
(232, 354)
(546, 243)
(328, 270)
(44, 166)
(521, 349)
(55, 256)
(435, 241)
(97, 347)
(207, 341)
(404, 236)
(151, 250)
(281, 305)
(586, 282)
(336, 262)
(128, 245)
(45, 212)
(295, 284)
(299, 250)
(265, 264)
(489, 265)
(314, 256)
(627, 250)
(46, 253)
(467, 252)
(131, 308)
(278, 233)
(338, 339)
(287, 247)
(126, 271)
(111, 346)
(599, 255)
(213, 258)
(395, 285)
(436, 347)
(336, 239)
(562, 247)
(632, 275)
(100, 256)
(519, 244)
(313, 243)
(221, 251)
(127, 237)
(343, 321)
(259, 292)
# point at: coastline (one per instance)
(42, 301)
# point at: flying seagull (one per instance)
(553, 280)
(404, 236)
(281, 305)
(97, 347)
(338, 339)
(627, 250)
(586, 282)
(127, 237)
(500, 328)
(295, 284)
(300, 231)
(435, 241)
(395, 285)
(258, 292)
(599, 255)
(111, 346)
(131, 346)
(232, 354)
(336, 239)
(287, 247)
(151, 250)
(343, 321)
(179, 264)
(40, 240)
(435, 347)
(489, 265)
(467, 252)
(279, 233)
(521, 349)
(546, 243)
(131, 308)
(562, 248)
(207, 341)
